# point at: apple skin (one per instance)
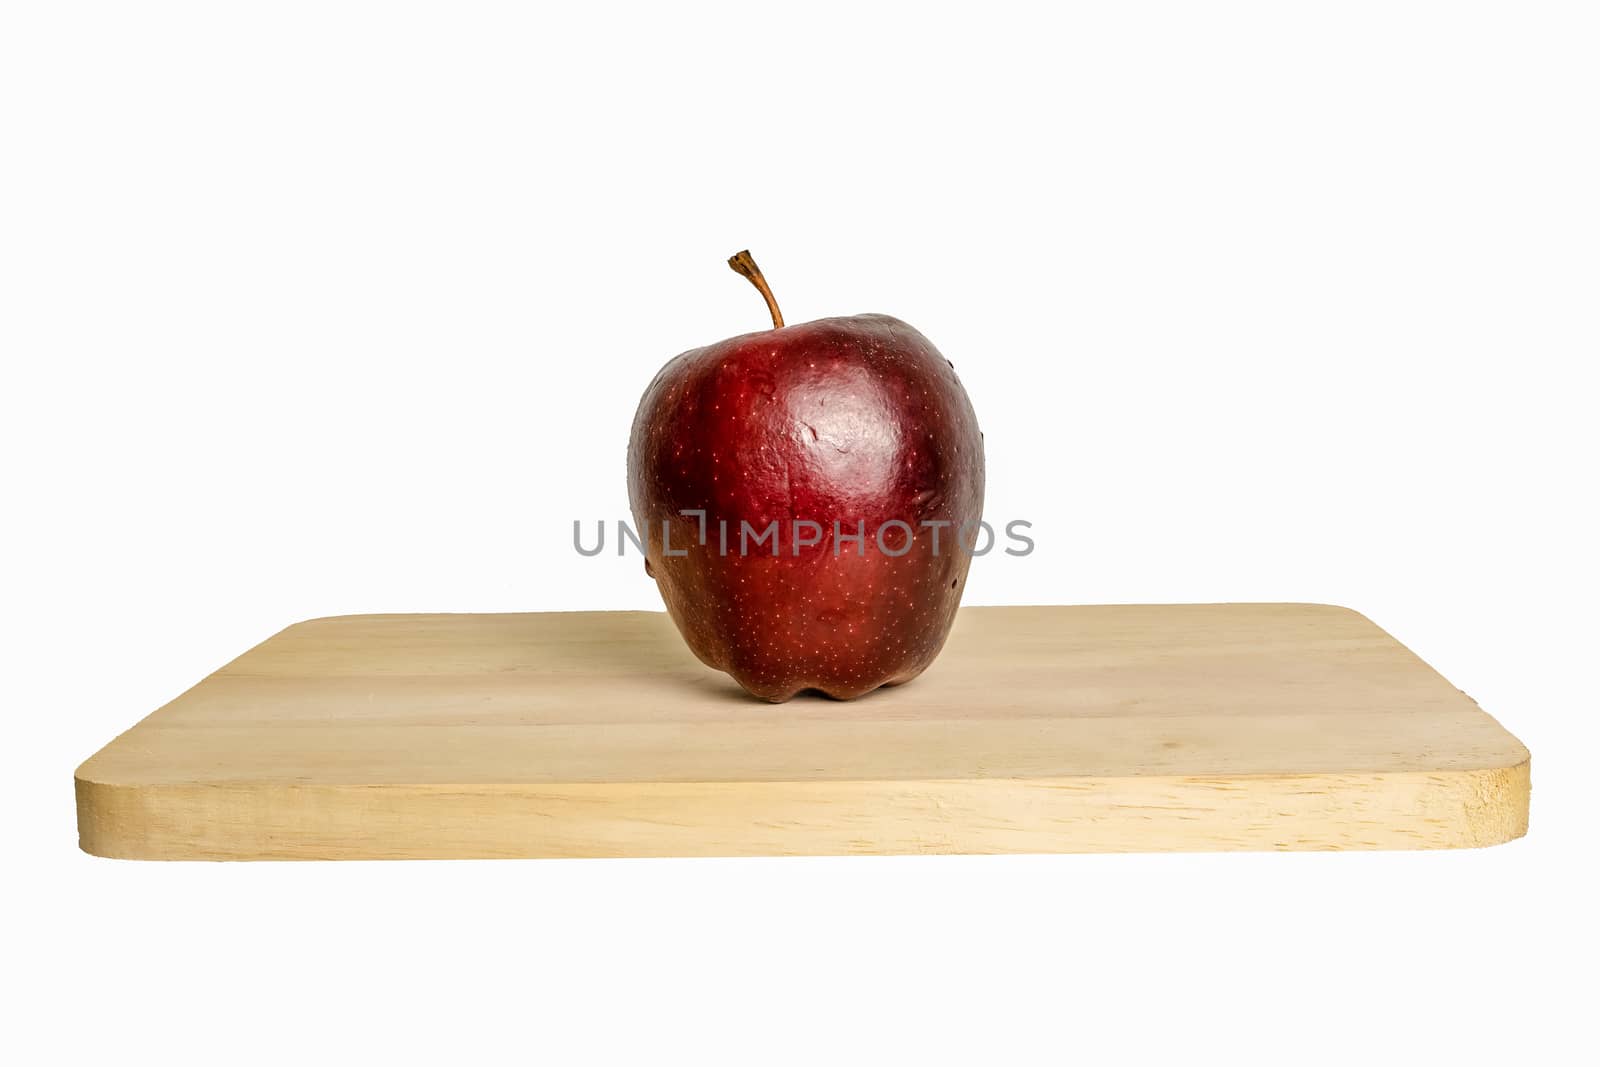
(856, 419)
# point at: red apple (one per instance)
(855, 421)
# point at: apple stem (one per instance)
(745, 265)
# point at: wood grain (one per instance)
(1042, 729)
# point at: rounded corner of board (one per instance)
(107, 825)
(1494, 803)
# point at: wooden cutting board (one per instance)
(1040, 729)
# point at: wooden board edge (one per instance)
(1306, 812)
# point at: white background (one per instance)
(315, 308)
